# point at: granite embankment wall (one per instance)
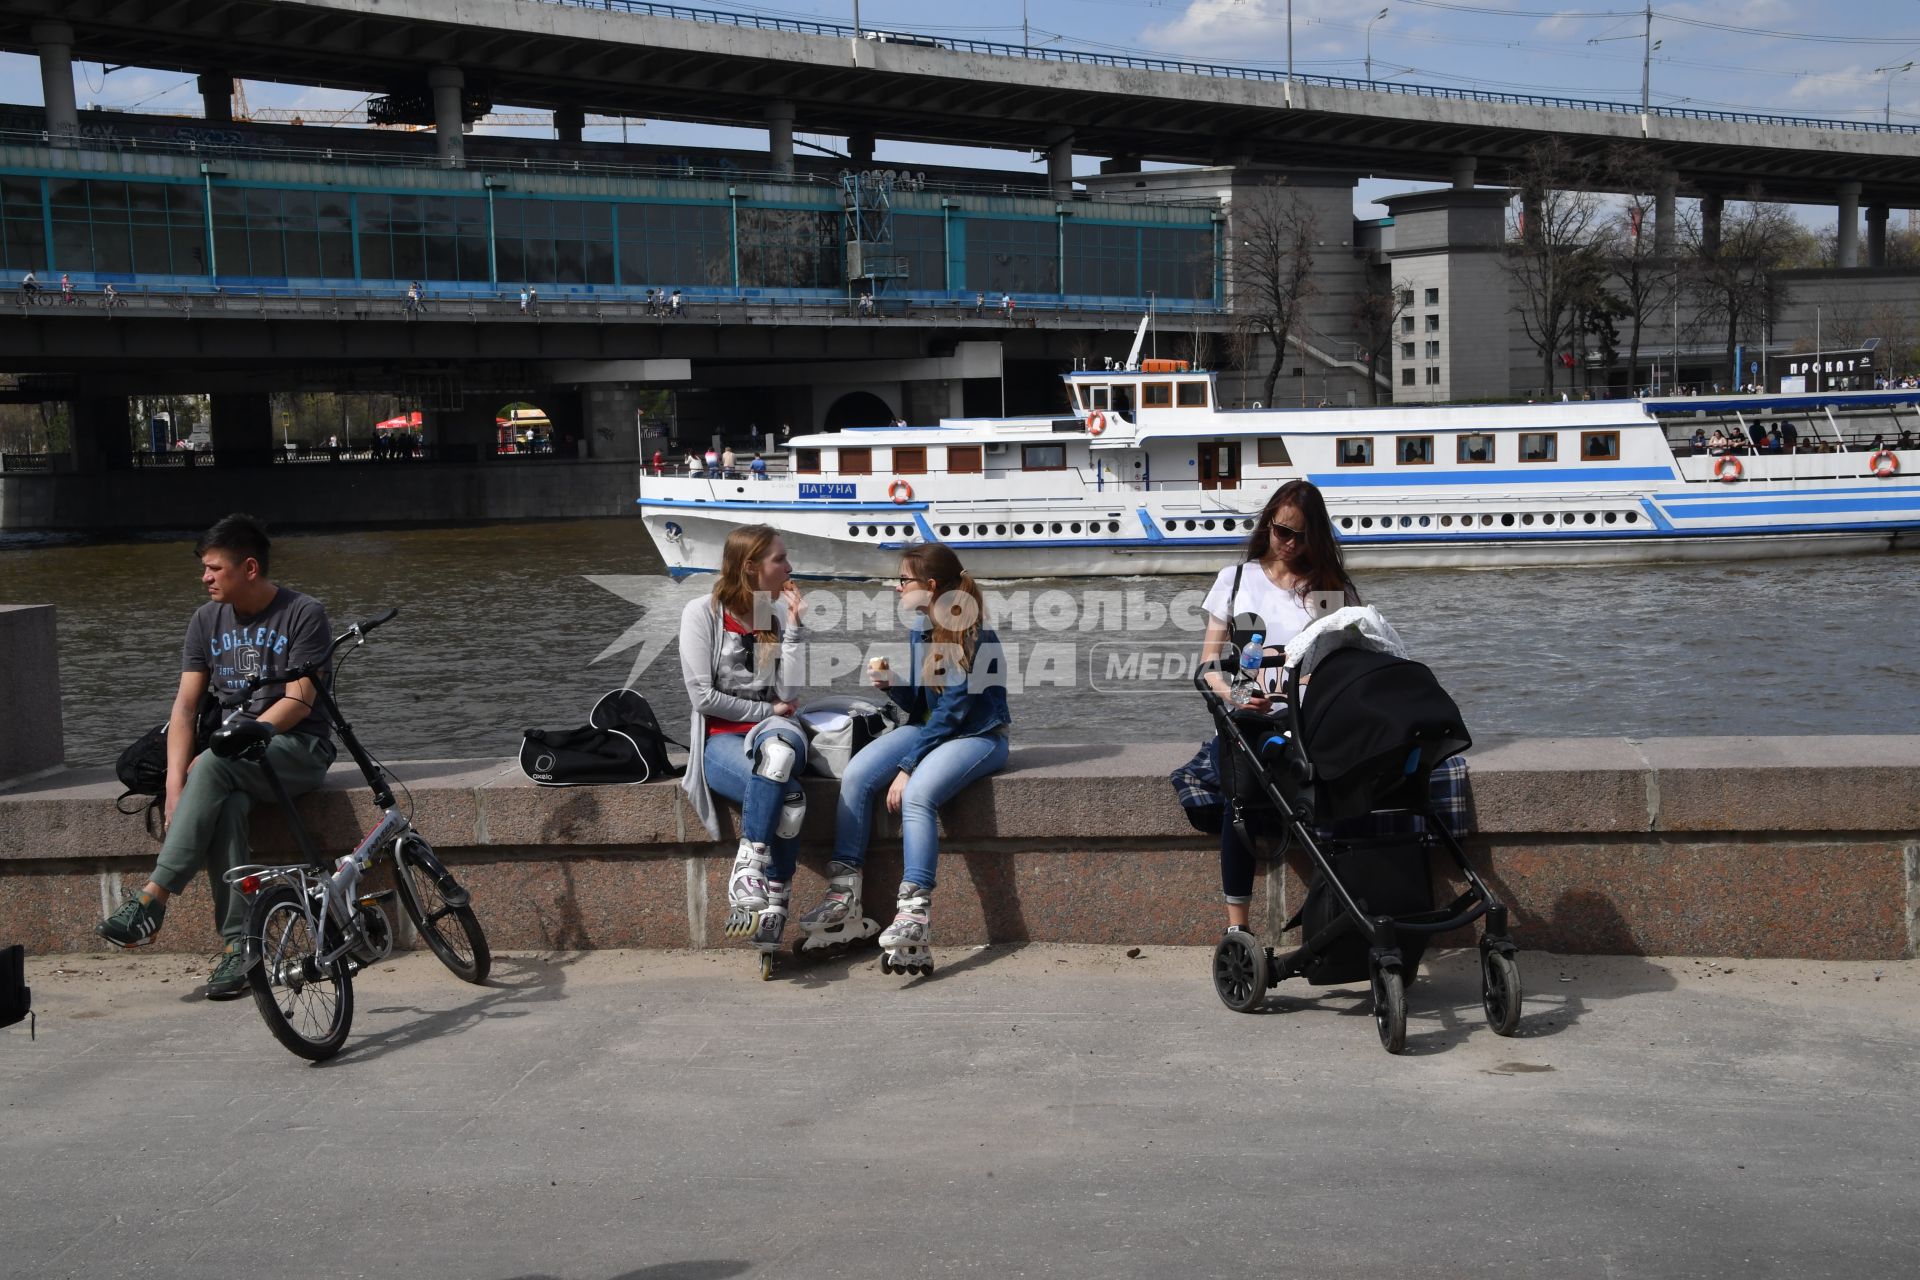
(1710, 846)
(317, 495)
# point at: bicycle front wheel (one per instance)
(452, 932)
(307, 1007)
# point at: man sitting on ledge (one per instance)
(248, 627)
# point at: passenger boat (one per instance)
(1144, 473)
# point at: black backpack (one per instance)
(142, 767)
(620, 743)
(16, 998)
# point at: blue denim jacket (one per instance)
(964, 709)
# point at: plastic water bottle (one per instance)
(1248, 683)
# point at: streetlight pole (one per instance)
(856, 19)
(1892, 71)
(1646, 60)
(1376, 18)
(1289, 51)
(1026, 37)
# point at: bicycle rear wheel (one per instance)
(307, 1007)
(452, 932)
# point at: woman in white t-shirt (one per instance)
(1291, 553)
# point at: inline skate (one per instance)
(907, 945)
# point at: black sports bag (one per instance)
(621, 743)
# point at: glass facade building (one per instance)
(342, 229)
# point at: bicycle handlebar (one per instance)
(352, 635)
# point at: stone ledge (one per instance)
(1544, 786)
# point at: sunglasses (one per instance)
(1287, 533)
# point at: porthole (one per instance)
(1113, 526)
(1019, 528)
(1485, 521)
(1346, 522)
(1612, 516)
(890, 531)
(1055, 528)
(1207, 525)
(1000, 529)
(853, 531)
(1366, 522)
(1426, 522)
(1170, 526)
(1547, 518)
(1588, 517)
(1190, 526)
(1074, 527)
(1249, 526)
(945, 531)
(1527, 518)
(873, 531)
(1506, 521)
(1633, 517)
(1406, 522)
(1446, 522)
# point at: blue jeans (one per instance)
(729, 772)
(943, 774)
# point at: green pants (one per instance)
(209, 827)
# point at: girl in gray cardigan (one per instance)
(742, 655)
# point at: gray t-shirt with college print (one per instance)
(291, 631)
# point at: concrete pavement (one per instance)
(1037, 1111)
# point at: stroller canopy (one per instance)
(1374, 726)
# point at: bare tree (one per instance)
(1274, 235)
(1734, 288)
(1643, 281)
(1376, 318)
(1552, 252)
(1894, 326)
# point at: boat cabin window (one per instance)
(1043, 457)
(1539, 446)
(1123, 401)
(1600, 446)
(806, 461)
(1096, 398)
(963, 459)
(909, 461)
(1273, 452)
(1156, 395)
(1192, 395)
(1475, 448)
(1413, 451)
(856, 462)
(1354, 451)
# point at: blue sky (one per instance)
(1767, 56)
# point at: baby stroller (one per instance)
(1344, 769)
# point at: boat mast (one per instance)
(1139, 336)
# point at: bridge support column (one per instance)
(467, 434)
(216, 97)
(780, 136)
(612, 418)
(860, 149)
(56, 79)
(1847, 245)
(1876, 235)
(569, 123)
(1124, 162)
(1060, 165)
(242, 428)
(449, 129)
(1711, 208)
(100, 438)
(1664, 192)
(1464, 172)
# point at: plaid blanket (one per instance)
(1197, 786)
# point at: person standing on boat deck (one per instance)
(726, 462)
(742, 657)
(1291, 551)
(954, 691)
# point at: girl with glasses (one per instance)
(954, 691)
(1291, 554)
(743, 661)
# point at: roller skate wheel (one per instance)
(741, 924)
(766, 966)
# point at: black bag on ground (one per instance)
(16, 998)
(620, 744)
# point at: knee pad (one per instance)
(774, 758)
(793, 812)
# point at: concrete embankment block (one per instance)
(1759, 847)
(32, 744)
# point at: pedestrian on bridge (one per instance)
(413, 298)
(673, 304)
(525, 298)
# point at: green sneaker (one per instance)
(229, 978)
(134, 924)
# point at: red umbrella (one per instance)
(403, 422)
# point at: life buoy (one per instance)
(900, 491)
(1885, 464)
(1728, 469)
(1096, 423)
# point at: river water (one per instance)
(510, 626)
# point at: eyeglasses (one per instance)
(906, 582)
(1287, 533)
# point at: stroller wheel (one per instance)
(1390, 1008)
(1500, 992)
(1240, 969)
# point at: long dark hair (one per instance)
(1316, 558)
(958, 611)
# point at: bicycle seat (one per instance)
(245, 740)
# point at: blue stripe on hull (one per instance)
(1542, 474)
